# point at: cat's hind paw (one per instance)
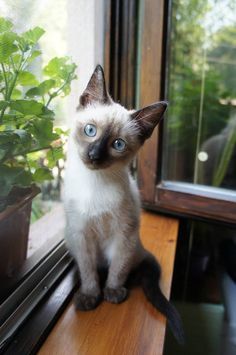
(115, 295)
(85, 302)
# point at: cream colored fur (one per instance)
(99, 204)
(101, 198)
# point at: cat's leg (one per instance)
(89, 295)
(83, 249)
(126, 254)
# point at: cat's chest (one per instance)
(92, 192)
(100, 199)
(95, 197)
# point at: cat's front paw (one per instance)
(115, 295)
(85, 302)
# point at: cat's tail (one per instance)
(148, 274)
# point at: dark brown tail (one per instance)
(148, 274)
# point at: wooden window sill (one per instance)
(133, 327)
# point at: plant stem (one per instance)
(5, 79)
(55, 94)
(22, 65)
(12, 63)
(2, 113)
(10, 88)
(49, 100)
(25, 152)
(34, 150)
(6, 92)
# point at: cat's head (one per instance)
(105, 132)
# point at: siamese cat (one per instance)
(102, 201)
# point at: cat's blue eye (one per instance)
(90, 130)
(119, 144)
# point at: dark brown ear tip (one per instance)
(159, 105)
(164, 103)
(99, 68)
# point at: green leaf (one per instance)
(32, 36)
(59, 68)
(14, 142)
(5, 25)
(8, 137)
(23, 178)
(10, 119)
(55, 68)
(47, 113)
(16, 94)
(46, 85)
(7, 46)
(30, 107)
(42, 174)
(3, 104)
(2, 153)
(66, 90)
(6, 150)
(22, 134)
(42, 89)
(32, 163)
(34, 55)
(33, 92)
(6, 187)
(61, 131)
(23, 45)
(13, 176)
(42, 130)
(26, 78)
(53, 155)
(16, 58)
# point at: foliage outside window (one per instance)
(201, 127)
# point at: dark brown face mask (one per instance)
(97, 151)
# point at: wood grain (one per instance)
(133, 327)
(195, 202)
(150, 91)
(120, 50)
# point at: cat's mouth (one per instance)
(96, 164)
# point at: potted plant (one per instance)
(26, 131)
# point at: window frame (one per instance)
(28, 338)
(34, 282)
(135, 70)
(151, 53)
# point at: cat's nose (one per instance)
(94, 153)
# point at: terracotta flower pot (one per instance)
(14, 229)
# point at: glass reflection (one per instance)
(200, 132)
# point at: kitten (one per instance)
(102, 200)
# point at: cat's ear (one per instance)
(148, 117)
(95, 91)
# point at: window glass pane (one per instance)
(204, 289)
(74, 29)
(200, 129)
(53, 19)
